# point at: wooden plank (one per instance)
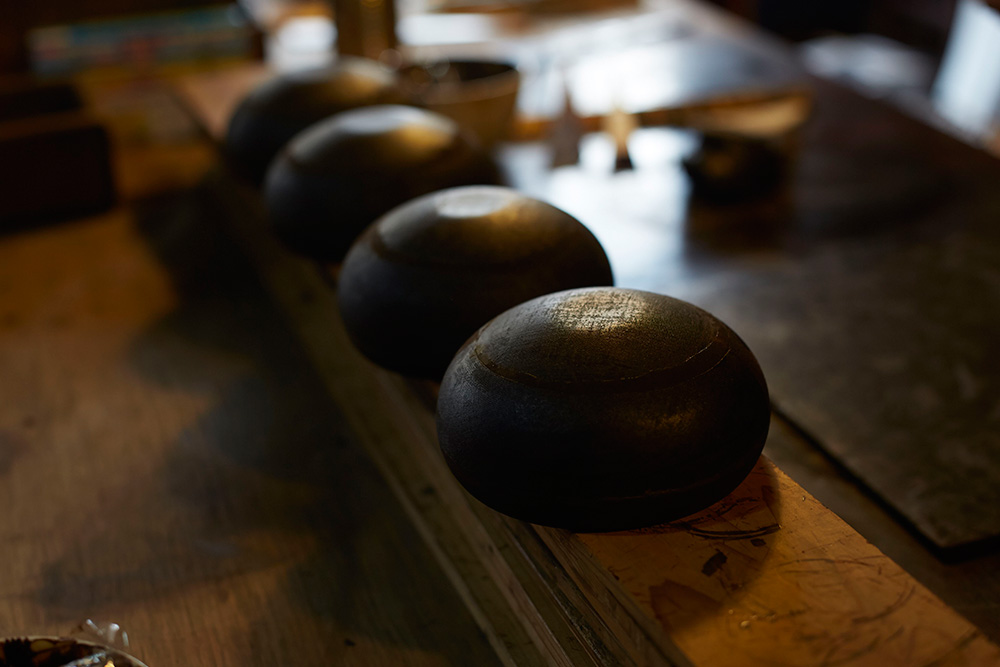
(766, 576)
(971, 587)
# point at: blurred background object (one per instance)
(77, 77)
(61, 38)
(367, 27)
(922, 24)
(937, 59)
(55, 157)
(133, 42)
(967, 89)
(880, 65)
(61, 652)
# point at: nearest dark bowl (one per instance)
(426, 275)
(337, 177)
(286, 104)
(602, 409)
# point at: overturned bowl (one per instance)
(286, 104)
(479, 95)
(340, 175)
(426, 275)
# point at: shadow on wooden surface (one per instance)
(255, 508)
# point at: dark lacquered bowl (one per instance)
(341, 174)
(425, 276)
(602, 409)
(286, 104)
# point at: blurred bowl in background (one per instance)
(334, 179)
(479, 95)
(748, 146)
(283, 106)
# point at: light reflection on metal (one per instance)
(473, 203)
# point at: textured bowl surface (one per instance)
(341, 174)
(602, 409)
(287, 104)
(425, 276)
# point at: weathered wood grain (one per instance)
(768, 576)
(169, 460)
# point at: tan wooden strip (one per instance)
(769, 576)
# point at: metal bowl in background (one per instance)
(286, 104)
(479, 95)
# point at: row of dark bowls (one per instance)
(564, 401)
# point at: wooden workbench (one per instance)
(192, 449)
(190, 446)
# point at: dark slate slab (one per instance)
(870, 294)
